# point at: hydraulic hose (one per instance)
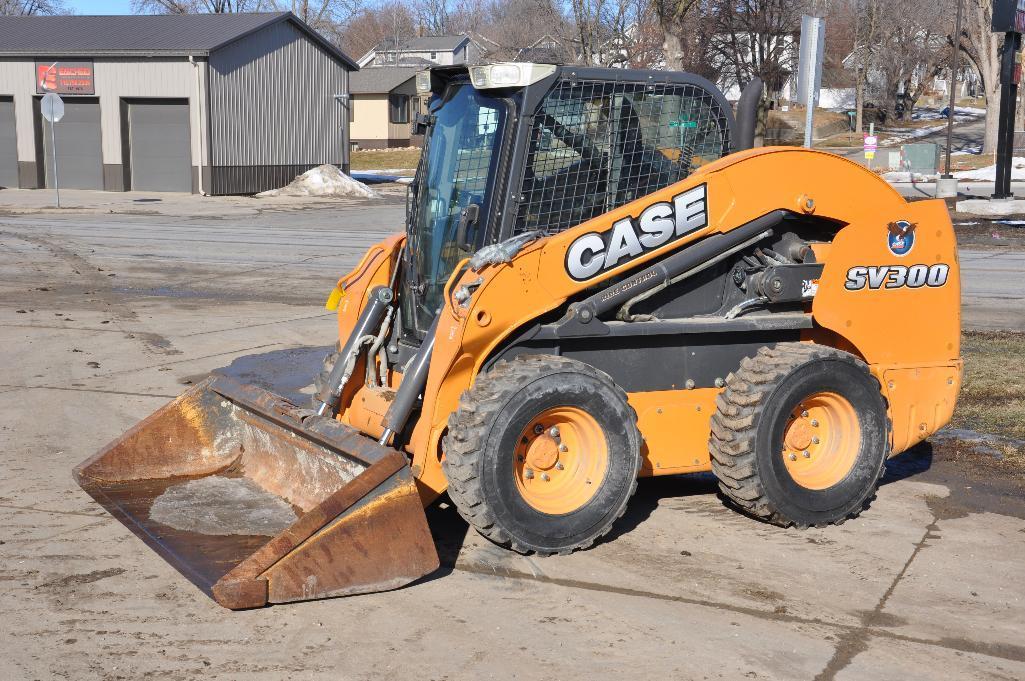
(367, 325)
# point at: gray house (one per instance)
(424, 51)
(211, 103)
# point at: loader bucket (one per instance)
(257, 501)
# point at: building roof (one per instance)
(141, 34)
(380, 79)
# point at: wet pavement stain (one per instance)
(87, 578)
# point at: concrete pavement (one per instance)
(103, 319)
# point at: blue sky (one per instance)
(101, 6)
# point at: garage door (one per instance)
(159, 143)
(8, 144)
(79, 156)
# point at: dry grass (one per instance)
(970, 161)
(993, 393)
(385, 159)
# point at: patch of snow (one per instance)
(993, 208)
(897, 136)
(324, 181)
(990, 172)
(905, 176)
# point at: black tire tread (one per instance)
(735, 422)
(468, 429)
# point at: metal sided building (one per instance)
(210, 103)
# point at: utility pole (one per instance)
(1009, 19)
(952, 83)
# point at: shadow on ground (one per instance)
(289, 373)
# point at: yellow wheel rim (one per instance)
(821, 440)
(561, 460)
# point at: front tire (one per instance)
(542, 454)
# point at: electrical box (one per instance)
(921, 157)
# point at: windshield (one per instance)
(457, 169)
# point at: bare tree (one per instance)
(325, 15)
(672, 18)
(867, 26)
(199, 6)
(392, 23)
(32, 7)
(982, 47)
(431, 15)
(914, 47)
(757, 38)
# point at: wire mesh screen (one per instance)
(596, 145)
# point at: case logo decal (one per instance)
(900, 237)
(659, 224)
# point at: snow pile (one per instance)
(326, 181)
(990, 172)
(905, 176)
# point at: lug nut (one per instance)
(804, 414)
(528, 474)
(563, 448)
(559, 466)
(553, 431)
(538, 429)
(807, 454)
(814, 423)
(544, 476)
(815, 440)
(793, 457)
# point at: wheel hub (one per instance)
(561, 460)
(799, 435)
(821, 440)
(543, 453)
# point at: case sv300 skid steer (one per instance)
(599, 279)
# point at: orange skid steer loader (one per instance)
(599, 279)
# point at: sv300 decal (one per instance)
(657, 225)
(897, 276)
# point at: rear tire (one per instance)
(522, 486)
(800, 436)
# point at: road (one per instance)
(966, 137)
(104, 318)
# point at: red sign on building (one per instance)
(65, 77)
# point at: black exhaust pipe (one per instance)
(747, 115)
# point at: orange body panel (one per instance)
(909, 336)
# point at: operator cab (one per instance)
(511, 148)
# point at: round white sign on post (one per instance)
(52, 107)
